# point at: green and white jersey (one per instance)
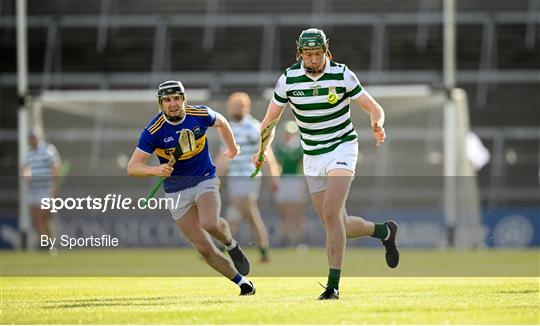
(324, 119)
(41, 161)
(246, 134)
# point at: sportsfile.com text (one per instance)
(109, 202)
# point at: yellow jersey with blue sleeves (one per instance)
(161, 137)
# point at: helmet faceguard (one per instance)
(312, 39)
(171, 88)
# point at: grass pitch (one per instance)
(359, 262)
(147, 300)
(279, 300)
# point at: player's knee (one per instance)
(211, 226)
(330, 215)
(245, 211)
(205, 249)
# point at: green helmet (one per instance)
(312, 38)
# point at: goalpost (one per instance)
(22, 114)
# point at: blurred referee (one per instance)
(244, 191)
(41, 170)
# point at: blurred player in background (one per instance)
(291, 194)
(319, 92)
(42, 169)
(244, 191)
(192, 179)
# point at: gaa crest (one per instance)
(315, 88)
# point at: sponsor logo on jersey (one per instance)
(341, 163)
(315, 89)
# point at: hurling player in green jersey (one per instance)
(319, 92)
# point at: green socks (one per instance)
(264, 253)
(381, 231)
(333, 278)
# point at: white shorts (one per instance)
(189, 196)
(316, 167)
(292, 190)
(240, 187)
(34, 195)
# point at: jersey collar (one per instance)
(326, 67)
(174, 123)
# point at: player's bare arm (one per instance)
(376, 114)
(224, 129)
(272, 113)
(138, 167)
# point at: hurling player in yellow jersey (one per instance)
(192, 179)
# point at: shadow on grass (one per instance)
(127, 301)
(520, 291)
